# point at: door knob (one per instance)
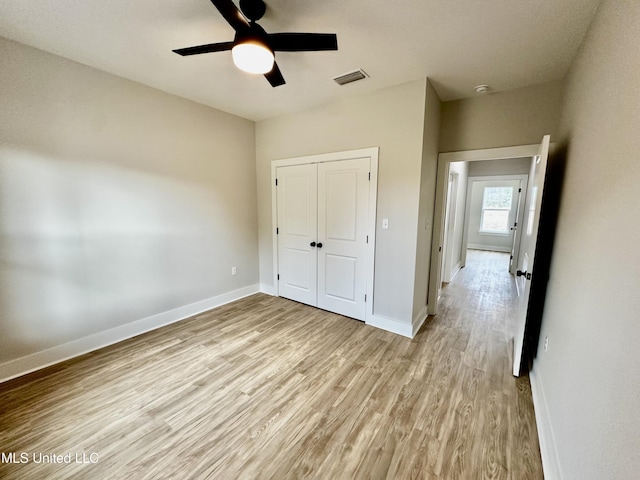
(312, 244)
(319, 245)
(524, 274)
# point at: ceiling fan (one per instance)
(252, 48)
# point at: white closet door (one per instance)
(343, 206)
(297, 198)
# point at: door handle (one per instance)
(312, 244)
(319, 245)
(524, 274)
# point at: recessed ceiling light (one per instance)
(482, 89)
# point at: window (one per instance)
(496, 206)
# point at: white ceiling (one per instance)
(456, 43)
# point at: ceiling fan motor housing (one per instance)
(255, 33)
(253, 9)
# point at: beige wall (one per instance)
(117, 201)
(589, 378)
(427, 200)
(515, 117)
(391, 119)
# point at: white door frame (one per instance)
(449, 217)
(372, 154)
(444, 159)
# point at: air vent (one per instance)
(351, 77)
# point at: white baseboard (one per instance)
(378, 321)
(456, 270)
(548, 452)
(391, 325)
(59, 353)
(490, 248)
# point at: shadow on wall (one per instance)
(86, 246)
(549, 213)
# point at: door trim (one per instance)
(444, 159)
(371, 153)
(450, 214)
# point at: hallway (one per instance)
(486, 293)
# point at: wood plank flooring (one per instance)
(266, 388)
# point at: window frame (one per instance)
(503, 233)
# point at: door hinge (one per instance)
(278, 276)
(511, 257)
(365, 298)
(276, 182)
(369, 176)
(367, 238)
(277, 231)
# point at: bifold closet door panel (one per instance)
(297, 198)
(343, 206)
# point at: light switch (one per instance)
(385, 223)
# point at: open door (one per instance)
(528, 240)
(515, 248)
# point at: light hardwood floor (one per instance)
(269, 388)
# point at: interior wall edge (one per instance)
(546, 440)
(60, 353)
(268, 289)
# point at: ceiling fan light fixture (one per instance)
(252, 48)
(252, 56)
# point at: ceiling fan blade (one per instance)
(303, 42)
(275, 76)
(208, 48)
(231, 14)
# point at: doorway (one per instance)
(461, 162)
(536, 156)
(494, 210)
(484, 251)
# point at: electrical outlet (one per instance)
(546, 343)
(234, 271)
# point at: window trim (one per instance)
(495, 233)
